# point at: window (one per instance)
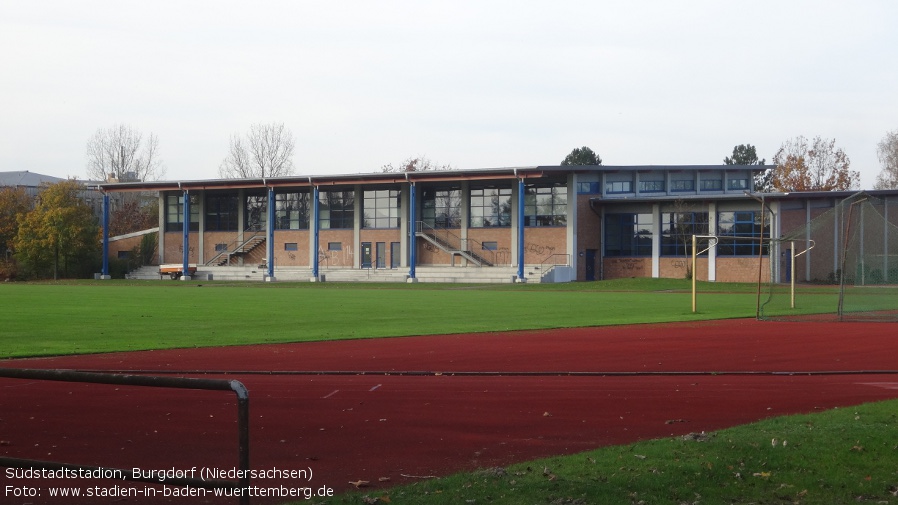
(587, 188)
(221, 247)
(335, 209)
(291, 211)
(682, 185)
(737, 184)
(712, 184)
(545, 205)
(490, 246)
(291, 246)
(381, 208)
(677, 229)
(256, 209)
(619, 186)
(221, 212)
(174, 213)
(628, 234)
(490, 207)
(441, 208)
(334, 246)
(651, 186)
(740, 233)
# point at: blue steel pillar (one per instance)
(412, 229)
(270, 225)
(185, 271)
(315, 217)
(105, 272)
(520, 230)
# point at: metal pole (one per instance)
(792, 273)
(185, 272)
(270, 247)
(105, 271)
(315, 216)
(521, 230)
(412, 231)
(694, 251)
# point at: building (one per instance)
(544, 223)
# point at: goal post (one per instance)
(712, 241)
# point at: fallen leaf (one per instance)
(546, 414)
(359, 483)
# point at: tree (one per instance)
(814, 166)
(14, 203)
(581, 156)
(59, 234)
(120, 152)
(415, 164)
(266, 151)
(132, 216)
(745, 154)
(887, 151)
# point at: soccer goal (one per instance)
(841, 265)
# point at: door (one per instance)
(591, 264)
(366, 254)
(395, 255)
(381, 255)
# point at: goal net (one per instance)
(841, 265)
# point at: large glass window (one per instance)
(677, 229)
(256, 209)
(291, 211)
(490, 207)
(381, 208)
(628, 234)
(441, 208)
(335, 209)
(682, 185)
(174, 213)
(651, 186)
(737, 184)
(222, 212)
(712, 184)
(740, 233)
(545, 205)
(619, 186)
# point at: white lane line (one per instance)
(332, 393)
(375, 387)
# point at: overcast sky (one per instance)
(473, 84)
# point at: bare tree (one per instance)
(120, 152)
(415, 164)
(887, 150)
(266, 151)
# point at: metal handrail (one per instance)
(147, 381)
(566, 263)
(455, 243)
(235, 245)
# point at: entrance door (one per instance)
(395, 254)
(366, 254)
(591, 264)
(381, 255)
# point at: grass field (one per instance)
(40, 319)
(833, 457)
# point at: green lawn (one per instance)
(102, 316)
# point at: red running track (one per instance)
(372, 425)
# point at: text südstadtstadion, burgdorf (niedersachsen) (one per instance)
(162, 475)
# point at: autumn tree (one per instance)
(265, 151)
(60, 235)
(581, 156)
(14, 203)
(887, 151)
(815, 165)
(132, 215)
(415, 164)
(123, 153)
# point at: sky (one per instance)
(471, 84)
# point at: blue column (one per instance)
(521, 230)
(185, 272)
(412, 229)
(315, 217)
(105, 271)
(271, 204)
